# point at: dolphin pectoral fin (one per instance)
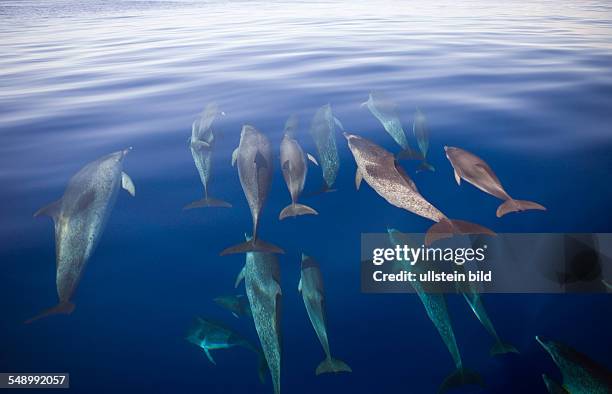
(240, 277)
(300, 285)
(312, 159)
(212, 360)
(338, 124)
(260, 160)
(358, 178)
(457, 177)
(200, 145)
(235, 315)
(127, 184)
(52, 210)
(234, 157)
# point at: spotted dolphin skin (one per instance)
(311, 287)
(254, 160)
(477, 172)
(201, 144)
(79, 217)
(261, 275)
(323, 132)
(380, 170)
(581, 375)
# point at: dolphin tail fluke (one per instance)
(517, 206)
(502, 348)
(253, 245)
(208, 202)
(332, 365)
(425, 166)
(296, 210)
(446, 228)
(322, 190)
(460, 377)
(409, 154)
(65, 308)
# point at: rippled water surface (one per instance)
(525, 85)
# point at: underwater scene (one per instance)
(185, 186)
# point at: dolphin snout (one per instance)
(346, 135)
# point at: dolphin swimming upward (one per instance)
(261, 275)
(322, 130)
(474, 170)
(254, 160)
(311, 287)
(79, 217)
(201, 144)
(380, 170)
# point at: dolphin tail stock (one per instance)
(332, 365)
(295, 209)
(446, 228)
(425, 166)
(512, 205)
(65, 308)
(208, 202)
(502, 348)
(253, 245)
(460, 377)
(409, 154)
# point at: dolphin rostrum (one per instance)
(311, 287)
(581, 375)
(421, 133)
(210, 335)
(237, 304)
(201, 144)
(261, 275)
(474, 170)
(322, 130)
(295, 168)
(79, 217)
(254, 160)
(380, 170)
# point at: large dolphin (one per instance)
(261, 275)
(210, 335)
(311, 287)
(79, 217)
(254, 160)
(435, 306)
(421, 133)
(201, 144)
(237, 304)
(581, 375)
(295, 168)
(323, 132)
(380, 170)
(474, 170)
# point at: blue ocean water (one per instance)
(525, 85)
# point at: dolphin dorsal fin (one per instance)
(358, 178)
(128, 184)
(52, 210)
(312, 159)
(234, 156)
(240, 276)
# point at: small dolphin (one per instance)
(380, 170)
(201, 144)
(237, 304)
(552, 386)
(80, 216)
(581, 375)
(254, 160)
(295, 168)
(421, 133)
(322, 130)
(474, 170)
(311, 287)
(210, 335)
(261, 274)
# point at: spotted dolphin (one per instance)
(477, 172)
(311, 288)
(80, 217)
(323, 132)
(380, 170)
(238, 304)
(201, 144)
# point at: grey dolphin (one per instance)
(201, 144)
(474, 170)
(311, 287)
(79, 217)
(581, 375)
(380, 170)
(421, 133)
(254, 160)
(237, 304)
(261, 275)
(322, 130)
(295, 168)
(210, 335)
(552, 386)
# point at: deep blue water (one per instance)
(525, 85)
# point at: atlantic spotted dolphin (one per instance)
(380, 170)
(211, 335)
(311, 287)
(581, 375)
(201, 144)
(254, 160)
(261, 275)
(477, 172)
(435, 306)
(238, 305)
(79, 217)
(323, 132)
(421, 133)
(294, 167)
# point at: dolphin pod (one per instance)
(311, 287)
(477, 172)
(381, 171)
(79, 217)
(201, 144)
(323, 133)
